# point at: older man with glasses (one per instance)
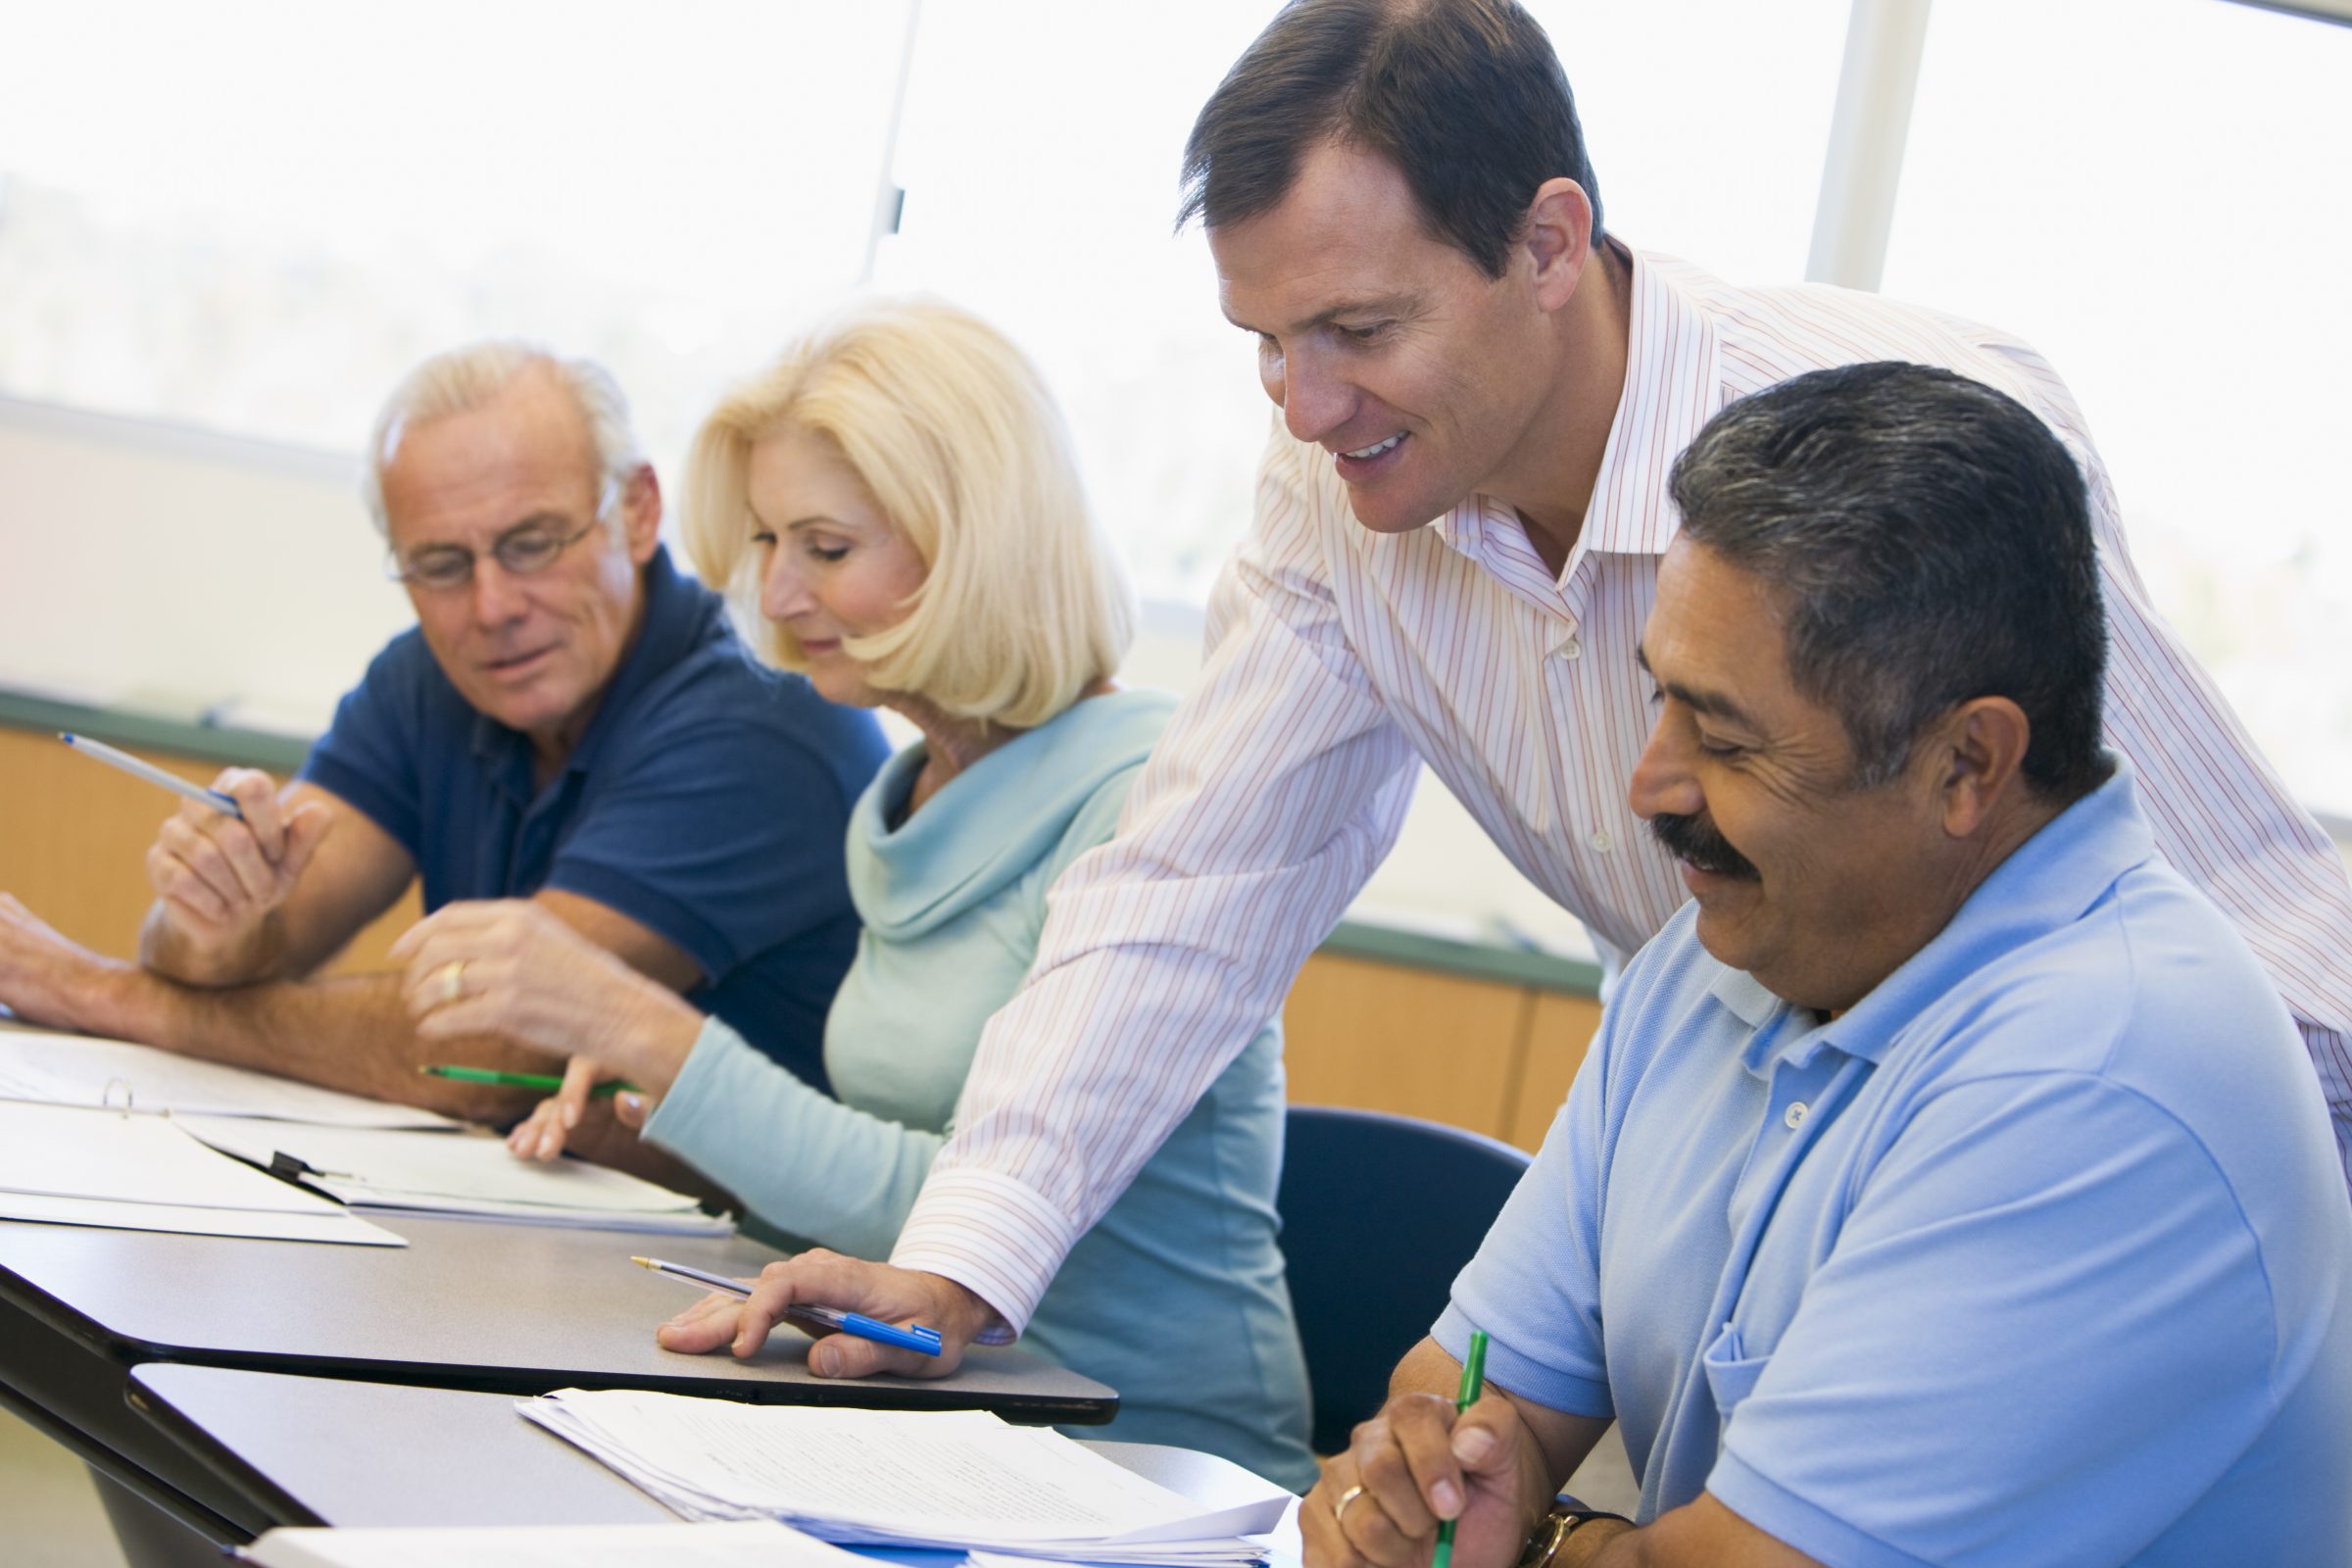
(570, 721)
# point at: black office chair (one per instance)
(1379, 1213)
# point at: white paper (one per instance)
(338, 1226)
(892, 1477)
(66, 1151)
(464, 1173)
(762, 1544)
(63, 1165)
(82, 1071)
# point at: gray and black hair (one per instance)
(1465, 97)
(1931, 540)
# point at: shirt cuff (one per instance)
(700, 1090)
(1525, 1376)
(996, 1237)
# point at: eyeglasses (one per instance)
(524, 551)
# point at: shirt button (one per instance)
(1602, 840)
(1794, 1115)
(1571, 649)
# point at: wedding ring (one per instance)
(1339, 1511)
(452, 981)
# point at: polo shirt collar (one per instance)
(1671, 389)
(2046, 884)
(672, 623)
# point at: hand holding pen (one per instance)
(1432, 1480)
(219, 866)
(825, 1279)
(813, 1321)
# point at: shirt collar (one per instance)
(672, 620)
(1671, 389)
(2046, 884)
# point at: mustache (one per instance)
(1694, 839)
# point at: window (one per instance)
(1039, 154)
(2158, 205)
(253, 217)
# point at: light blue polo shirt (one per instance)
(2039, 1255)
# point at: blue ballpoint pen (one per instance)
(99, 752)
(830, 1319)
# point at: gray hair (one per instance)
(1933, 541)
(467, 377)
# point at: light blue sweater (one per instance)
(1176, 1298)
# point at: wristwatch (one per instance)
(1552, 1531)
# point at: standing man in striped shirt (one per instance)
(1460, 519)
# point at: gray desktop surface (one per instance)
(467, 1304)
(313, 1451)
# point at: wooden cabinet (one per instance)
(73, 838)
(1560, 1026)
(1488, 1054)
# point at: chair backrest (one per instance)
(1379, 1213)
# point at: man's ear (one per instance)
(640, 514)
(1978, 749)
(1559, 239)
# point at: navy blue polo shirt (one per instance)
(709, 800)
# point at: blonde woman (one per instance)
(897, 498)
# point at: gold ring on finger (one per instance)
(452, 981)
(1338, 1511)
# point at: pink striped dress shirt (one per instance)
(1340, 658)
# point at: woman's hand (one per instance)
(512, 969)
(542, 1134)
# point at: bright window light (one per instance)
(252, 216)
(2152, 192)
(1039, 154)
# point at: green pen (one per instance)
(545, 1083)
(1474, 1381)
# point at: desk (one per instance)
(511, 1308)
(311, 1450)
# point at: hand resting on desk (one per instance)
(823, 1278)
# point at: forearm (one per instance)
(799, 1159)
(1604, 1544)
(1701, 1533)
(259, 953)
(352, 1033)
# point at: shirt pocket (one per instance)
(1732, 1372)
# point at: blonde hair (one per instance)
(463, 379)
(1024, 602)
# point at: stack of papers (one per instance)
(902, 1478)
(762, 1545)
(75, 1166)
(458, 1175)
(78, 1070)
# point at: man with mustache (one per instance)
(570, 721)
(1946, 1182)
